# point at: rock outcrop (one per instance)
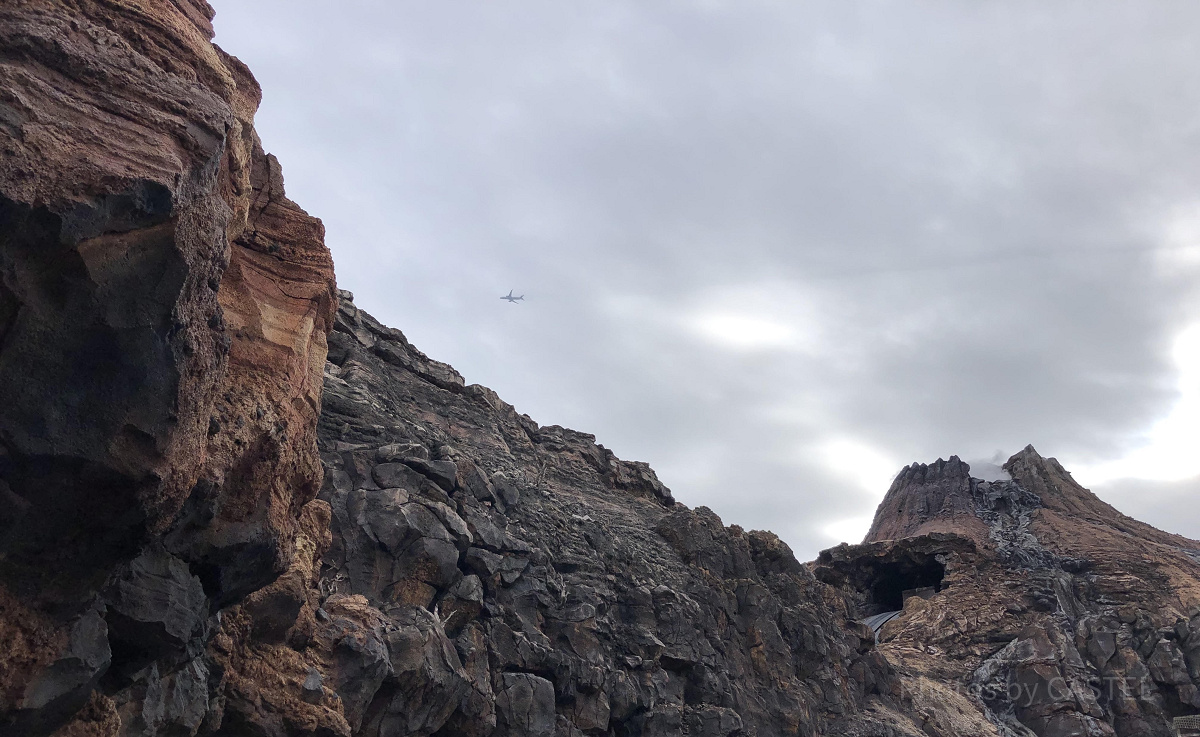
(1044, 610)
(163, 313)
(503, 578)
(232, 503)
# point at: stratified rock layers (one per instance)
(208, 528)
(1053, 614)
(163, 320)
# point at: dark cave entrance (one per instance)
(894, 581)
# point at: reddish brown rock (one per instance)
(1044, 610)
(163, 317)
(166, 570)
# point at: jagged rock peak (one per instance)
(924, 498)
(1065, 499)
(1029, 463)
(943, 496)
(922, 473)
(1058, 587)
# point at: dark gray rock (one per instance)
(506, 490)
(461, 604)
(476, 712)
(425, 568)
(360, 661)
(312, 689)
(428, 682)
(484, 529)
(489, 528)
(155, 607)
(398, 452)
(186, 698)
(402, 476)
(171, 704)
(471, 478)
(525, 706)
(442, 473)
(483, 562)
(713, 721)
(561, 591)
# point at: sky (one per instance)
(777, 250)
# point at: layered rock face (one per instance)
(163, 313)
(208, 528)
(1045, 611)
(165, 568)
(487, 576)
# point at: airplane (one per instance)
(511, 298)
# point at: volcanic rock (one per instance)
(232, 503)
(543, 586)
(163, 313)
(1040, 607)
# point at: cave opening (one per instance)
(895, 581)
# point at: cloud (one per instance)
(751, 231)
(744, 332)
(1168, 505)
(869, 468)
(1168, 451)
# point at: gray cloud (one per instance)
(756, 237)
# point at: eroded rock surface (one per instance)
(531, 583)
(163, 312)
(185, 551)
(1050, 612)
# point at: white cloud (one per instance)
(849, 530)
(1169, 452)
(1181, 239)
(872, 470)
(768, 315)
(744, 332)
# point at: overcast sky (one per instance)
(778, 250)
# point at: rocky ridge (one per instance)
(165, 568)
(1053, 613)
(537, 585)
(208, 528)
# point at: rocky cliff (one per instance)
(163, 313)
(232, 503)
(164, 566)
(1052, 613)
(503, 578)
